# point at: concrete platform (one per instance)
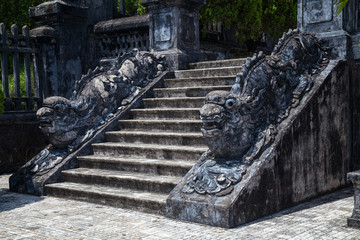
(31, 217)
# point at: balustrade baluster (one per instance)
(25, 32)
(16, 68)
(4, 65)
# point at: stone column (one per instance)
(174, 30)
(354, 220)
(71, 22)
(46, 58)
(340, 32)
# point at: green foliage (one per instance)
(2, 100)
(17, 11)
(278, 16)
(133, 7)
(243, 14)
(341, 4)
(252, 18)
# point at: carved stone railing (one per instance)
(273, 139)
(118, 36)
(100, 98)
(20, 48)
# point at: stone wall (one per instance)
(355, 110)
(309, 157)
(20, 140)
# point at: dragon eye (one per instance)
(230, 103)
(59, 107)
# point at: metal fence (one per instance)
(18, 50)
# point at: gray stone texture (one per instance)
(99, 99)
(288, 172)
(140, 164)
(354, 220)
(20, 140)
(340, 32)
(42, 218)
(355, 113)
(174, 31)
(67, 53)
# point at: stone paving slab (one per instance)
(31, 217)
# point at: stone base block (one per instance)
(309, 157)
(353, 222)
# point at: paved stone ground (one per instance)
(32, 217)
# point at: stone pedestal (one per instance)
(354, 220)
(174, 30)
(68, 55)
(340, 32)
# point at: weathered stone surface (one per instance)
(20, 140)
(68, 54)
(122, 24)
(174, 31)
(354, 220)
(240, 124)
(288, 172)
(338, 31)
(151, 154)
(355, 110)
(74, 123)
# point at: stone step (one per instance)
(151, 137)
(174, 102)
(153, 151)
(150, 166)
(116, 197)
(218, 63)
(208, 72)
(161, 125)
(188, 91)
(166, 113)
(130, 180)
(199, 81)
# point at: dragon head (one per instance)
(224, 126)
(58, 120)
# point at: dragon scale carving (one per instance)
(67, 123)
(239, 125)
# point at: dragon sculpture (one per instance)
(67, 123)
(240, 124)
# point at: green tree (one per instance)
(134, 7)
(252, 18)
(278, 16)
(17, 11)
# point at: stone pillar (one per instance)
(339, 31)
(354, 220)
(174, 30)
(71, 22)
(46, 67)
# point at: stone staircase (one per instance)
(138, 166)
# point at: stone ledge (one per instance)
(353, 176)
(122, 23)
(57, 7)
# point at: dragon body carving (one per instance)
(239, 125)
(68, 122)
